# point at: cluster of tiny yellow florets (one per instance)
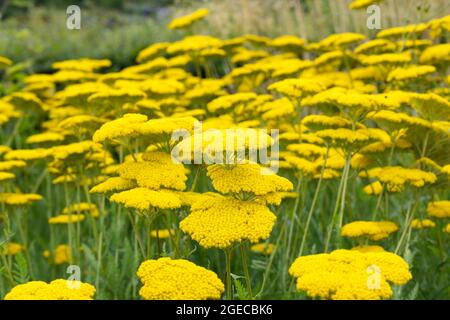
(169, 279)
(56, 290)
(350, 274)
(373, 230)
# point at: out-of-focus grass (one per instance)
(43, 37)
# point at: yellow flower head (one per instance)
(397, 177)
(65, 219)
(368, 248)
(409, 73)
(187, 20)
(422, 224)
(82, 207)
(4, 62)
(439, 209)
(246, 178)
(231, 101)
(144, 199)
(19, 199)
(340, 40)
(11, 249)
(162, 233)
(157, 171)
(361, 4)
(113, 184)
(219, 222)
(439, 53)
(4, 176)
(152, 51)
(402, 31)
(263, 248)
(63, 254)
(350, 274)
(84, 64)
(373, 230)
(177, 279)
(296, 88)
(56, 290)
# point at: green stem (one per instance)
(228, 273)
(244, 258)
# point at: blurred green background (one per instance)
(34, 34)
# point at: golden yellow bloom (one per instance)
(362, 4)
(230, 101)
(170, 279)
(19, 199)
(422, 224)
(439, 209)
(287, 42)
(340, 39)
(368, 248)
(4, 176)
(157, 171)
(65, 219)
(151, 51)
(126, 126)
(59, 289)
(374, 188)
(409, 73)
(162, 233)
(296, 88)
(246, 178)
(396, 178)
(447, 228)
(45, 137)
(263, 248)
(347, 274)
(386, 58)
(373, 230)
(4, 62)
(193, 44)
(402, 30)
(187, 20)
(84, 64)
(63, 254)
(220, 222)
(27, 155)
(144, 199)
(431, 106)
(439, 53)
(113, 184)
(11, 249)
(82, 207)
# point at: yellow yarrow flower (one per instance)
(177, 279)
(187, 20)
(422, 224)
(246, 178)
(146, 200)
(66, 219)
(373, 230)
(19, 199)
(157, 171)
(113, 184)
(219, 222)
(59, 289)
(11, 249)
(346, 274)
(439, 209)
(263, 248)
